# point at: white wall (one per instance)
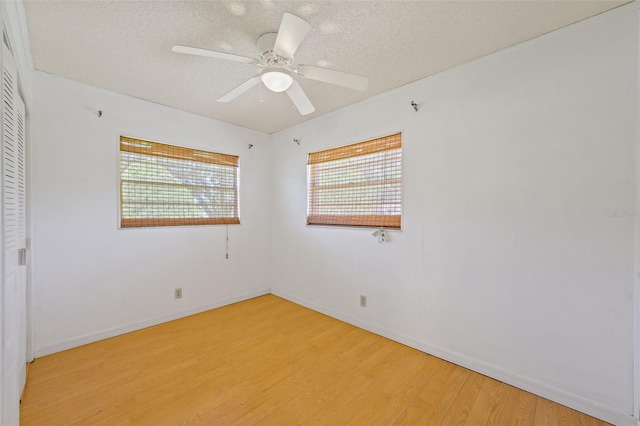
(92, 280)
(507, 262)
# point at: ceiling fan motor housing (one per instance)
(265, 45)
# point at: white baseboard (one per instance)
(116, 331)
(560, 396)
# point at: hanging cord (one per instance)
(227, 255)
(381, 233)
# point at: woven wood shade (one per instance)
(167, 185)
(357, 185)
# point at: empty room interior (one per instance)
(320, 212)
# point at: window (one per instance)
(166, 185)
(357, 185)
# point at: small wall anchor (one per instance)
(99, 113)
(414, 105)
(297, 141)
(250, 145)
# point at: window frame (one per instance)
(351, 222)
(179, 222)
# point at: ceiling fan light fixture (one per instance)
(276, 81)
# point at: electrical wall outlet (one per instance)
(363, 301)
(178, 293)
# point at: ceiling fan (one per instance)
(275, 65)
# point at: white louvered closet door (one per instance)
(21, 272)
(13, 355)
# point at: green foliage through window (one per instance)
(164, 185)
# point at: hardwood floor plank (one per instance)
(459, 411)
(546, 412)
(505, 409)
(405, 391)
(433, 401)
(486, 403)
(271, 362)
(525, 408)
(392, 380)
(589, 421)
(446, 397)
(567, 416)
(298, 379)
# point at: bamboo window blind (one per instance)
(357, 185)
(167, 185)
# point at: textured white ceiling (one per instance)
(125, 46)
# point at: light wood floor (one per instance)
(269, 361)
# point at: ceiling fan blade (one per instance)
(291, 33)
(212, 54)
(339, 78)
(240, 89)
(299, 98)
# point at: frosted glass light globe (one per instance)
(276, 81)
